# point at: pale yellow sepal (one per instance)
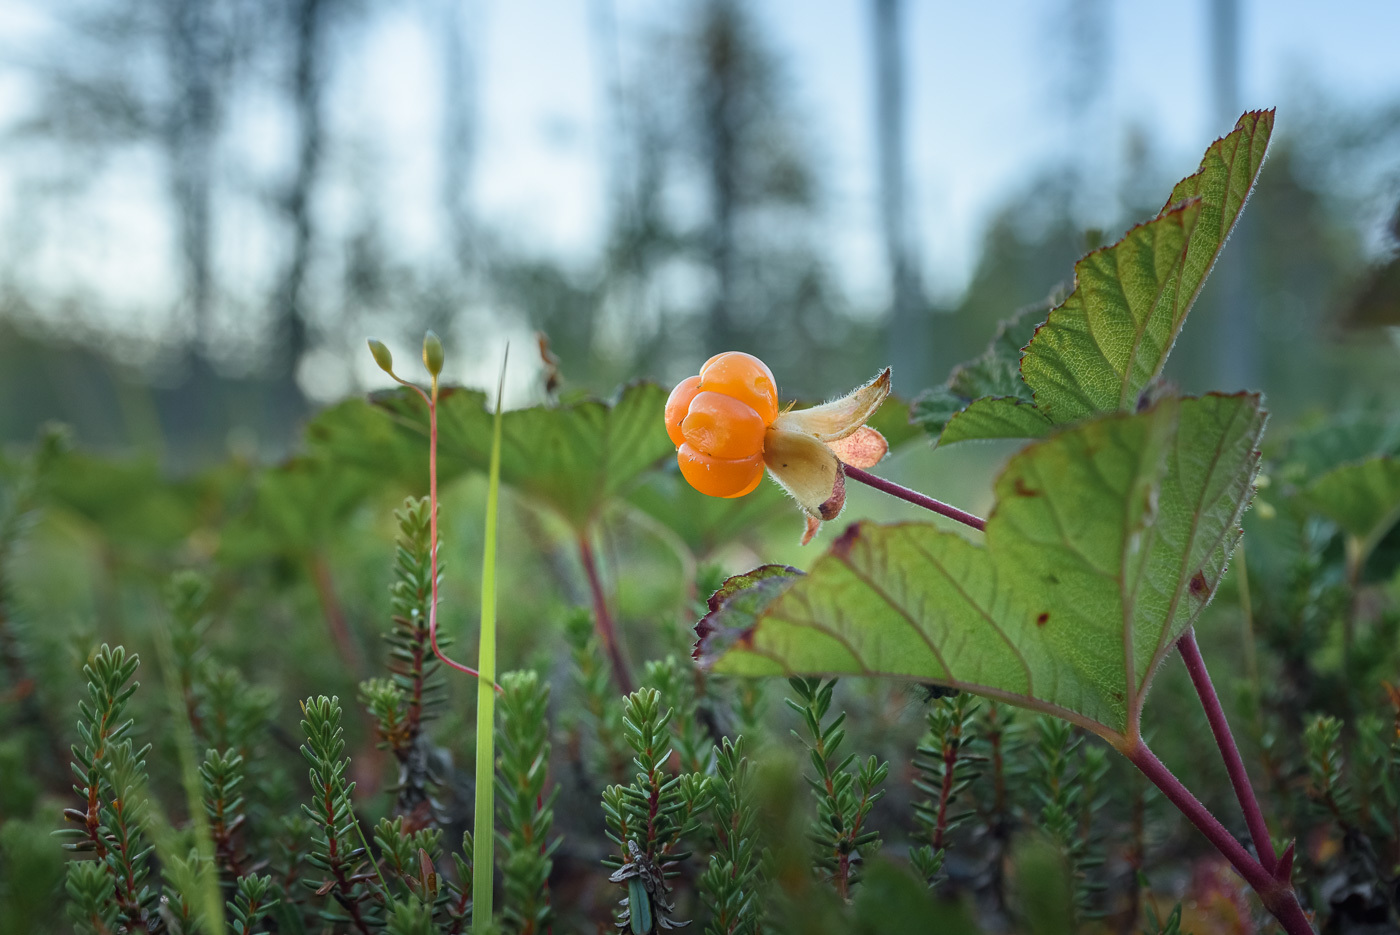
(808, 470)
(839, 418)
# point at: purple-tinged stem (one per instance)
(1277, 895)
(1265, 875)
(1234, 764)
(914, 497)
(607, 631)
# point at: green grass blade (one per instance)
(485, 836)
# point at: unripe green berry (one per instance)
(382, 357)
(432, 353)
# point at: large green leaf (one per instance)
(1106, 542)
(1105, 344)
(1363, 498)
(573, 457)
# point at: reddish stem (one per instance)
(433, 527)
(1234, 764)
(1261, 874)
(1277, 895)
(334, 614)
(607, 630)
(914, 497)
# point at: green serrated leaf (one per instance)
(996, 417)
(1363, 498)
(1106, 542)
(996, 373)
(1105, 344)
(1101, 348)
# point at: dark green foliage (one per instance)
(601, 714)
(410, 916)
(410, 858)
(732, 886)
(845, 791)
(1156, 925)
(336, 851)
(414, 693)
(459, 905)
(945, 771)
(1069, 788)
(649, 819)
(221, 776)
(90, 904)
(1322, 742)
(677, 686)
(251, 903)
(111, 785)
(526, 808)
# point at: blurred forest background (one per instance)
(206, 206)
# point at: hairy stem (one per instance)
(1234, 765)
(1262, 874)
(914, 497)
(1277, 895)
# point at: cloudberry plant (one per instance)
(727, 427)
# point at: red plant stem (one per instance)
(433, 528)
(1277, 895)
(1234, 764)
(334, 614)
(914, 497)
(607, 630)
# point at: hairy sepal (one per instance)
(808, 470)
(839, 418)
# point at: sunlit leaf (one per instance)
(1108, 341)
(1106, 542)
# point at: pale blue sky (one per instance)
(984, 101)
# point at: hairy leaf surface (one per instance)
(1106, 542)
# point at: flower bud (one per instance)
(382, 357)
(432, 353)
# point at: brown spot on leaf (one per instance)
(1042, 618)
(1023, 491)
(1199, 589)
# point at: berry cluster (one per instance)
(718, 421)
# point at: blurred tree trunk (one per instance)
(721, 88)
(309, 21)
(189, 130)
(908, 327)
(459, 135)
